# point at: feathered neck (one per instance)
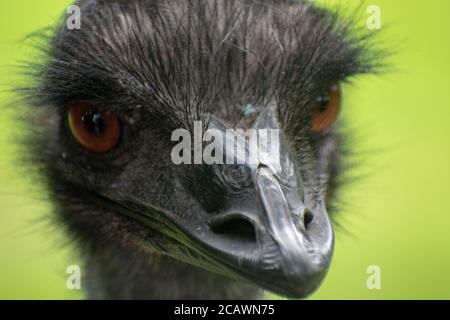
(116, 274)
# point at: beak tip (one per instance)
(301, 286)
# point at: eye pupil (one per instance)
(97, 130)
(93, 120)
(322, 102)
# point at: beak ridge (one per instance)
(302, 261)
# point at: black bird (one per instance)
(106, 99)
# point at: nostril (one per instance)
(308, 218)
(235, 227)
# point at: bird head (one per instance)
(111, 96)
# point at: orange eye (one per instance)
(94, 128)
(327, 110)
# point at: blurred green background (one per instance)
(399, 214)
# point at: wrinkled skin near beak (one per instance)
(263, 228)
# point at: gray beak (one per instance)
(267, 231)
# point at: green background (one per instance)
(398, 215)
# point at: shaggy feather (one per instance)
(161, 65)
